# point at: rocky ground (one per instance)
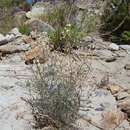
(105, 99)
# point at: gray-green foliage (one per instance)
(57, 94)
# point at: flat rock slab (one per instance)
(15, 114)
(101, 110)
(13, 48)
(117, 73)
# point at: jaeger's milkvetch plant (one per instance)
(57, 93)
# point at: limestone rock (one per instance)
(13, 48)
(14, 112)
(33, 35)
(40, 26)
(7, 38)
(36, 12)
(105, 55)
(84, 4)
(19, 18)
(111, 119)
(40, 8)
(88, 39)
(122, 95)
(37, 53)
(84, 125)
(28, 40)
(114, 89)
(125, 47)
(124, 125)
(127, 66)
(102, 111)
(124, 105)
(49, 128)
(110, 59)
(113, 47)
(100, 101)
(2, 37)
(16, 32)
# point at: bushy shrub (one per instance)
(65, 38)
(116, 19)
(57, 98)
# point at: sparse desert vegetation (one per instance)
(64, 65)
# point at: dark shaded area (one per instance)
(116, 21)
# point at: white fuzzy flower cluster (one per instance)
(66, 30)
(68, 25)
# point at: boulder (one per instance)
(16, 32)
(106, 55)
(36, 54)
(15, 113)
(17, 10)
(2, 37)
(127, 66)
(19, 18)
(6, 39)
(114, 89)
(28, 40)
(84, 4)
(49, 128)
(13, 48)
(113, 47)
(111, 59)
(124, 105)
(40, 26)
(125, 47)
(12, 35)
(101, 111)
(111, 119)
(35, 12)
(123, 126)
(122, 95)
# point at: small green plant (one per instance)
(24, 29)
(126, 36)
(66, 38)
